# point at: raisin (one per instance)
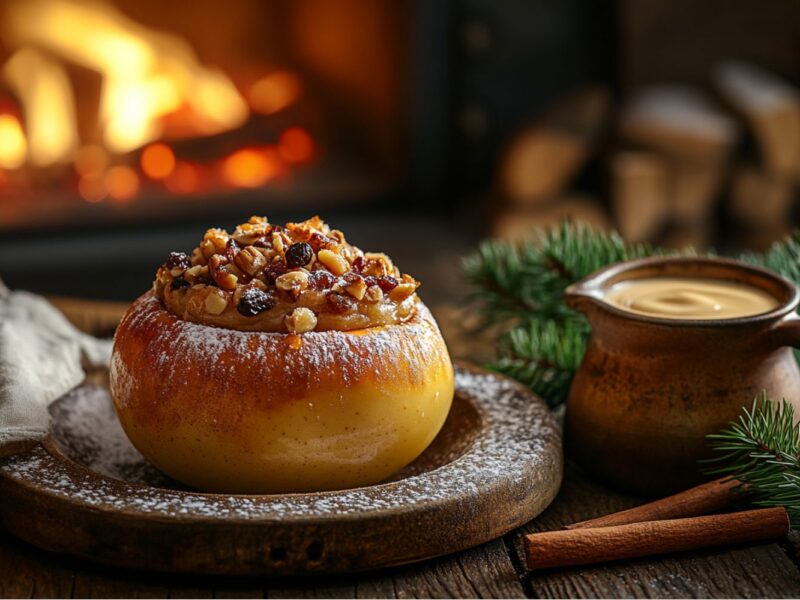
(299, 255)
(253, 301)
(179, 283)
(275, 270)
(178, 260)
(341, 303)
(359, 263)
(370, 280)
(318, 241)
(387, 283)
(350, 278)
(321, 280)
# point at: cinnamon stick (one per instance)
(701, 500)
(569, 547)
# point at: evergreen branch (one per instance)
(762, 450)
(543, 356)
(782, 257)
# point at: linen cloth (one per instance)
(42, 357)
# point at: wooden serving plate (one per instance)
(496, 464)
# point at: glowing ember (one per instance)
(91, 160)
(92, 188)
(296, 145)
(122, 183)
(274, 92)
(158, 161)
(250, 168)
(182, 180)
(13, 147)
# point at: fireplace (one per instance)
(136, 111)
(129, 126)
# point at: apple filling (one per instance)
(295, 278)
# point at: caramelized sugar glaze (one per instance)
(294, 278)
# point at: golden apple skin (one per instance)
(249, 412)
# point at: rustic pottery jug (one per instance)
(650, 389)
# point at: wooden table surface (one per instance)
(492, 570)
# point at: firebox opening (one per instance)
(142, 111)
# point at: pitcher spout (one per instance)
(581, 297)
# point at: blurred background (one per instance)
(127, 127)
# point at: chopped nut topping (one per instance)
(216, 302)
(222, 277)
(402, 291)
(198, 258)
(277, 242)
(356, 286)
(218, 238)
(196, 271)
(334, 263)
(294, 279)
(249, 233)
(373, 294)
(250, 260)
(301, 320)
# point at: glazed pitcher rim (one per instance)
(593, 286)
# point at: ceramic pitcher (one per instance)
(650, 389)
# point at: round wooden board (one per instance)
(496, 464)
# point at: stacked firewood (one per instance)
(676, 161)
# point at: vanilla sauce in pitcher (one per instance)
(689, 298)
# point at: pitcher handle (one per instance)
(786, 332)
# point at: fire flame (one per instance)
(43, 88)
(13, 146)
(153, 91)
(147, 75)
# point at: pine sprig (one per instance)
(544, 356)
(762, 450)
(783, 257)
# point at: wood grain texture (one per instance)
(487, 571)
(69, 497)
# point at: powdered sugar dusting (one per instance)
(174, 347)
(519, 446)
